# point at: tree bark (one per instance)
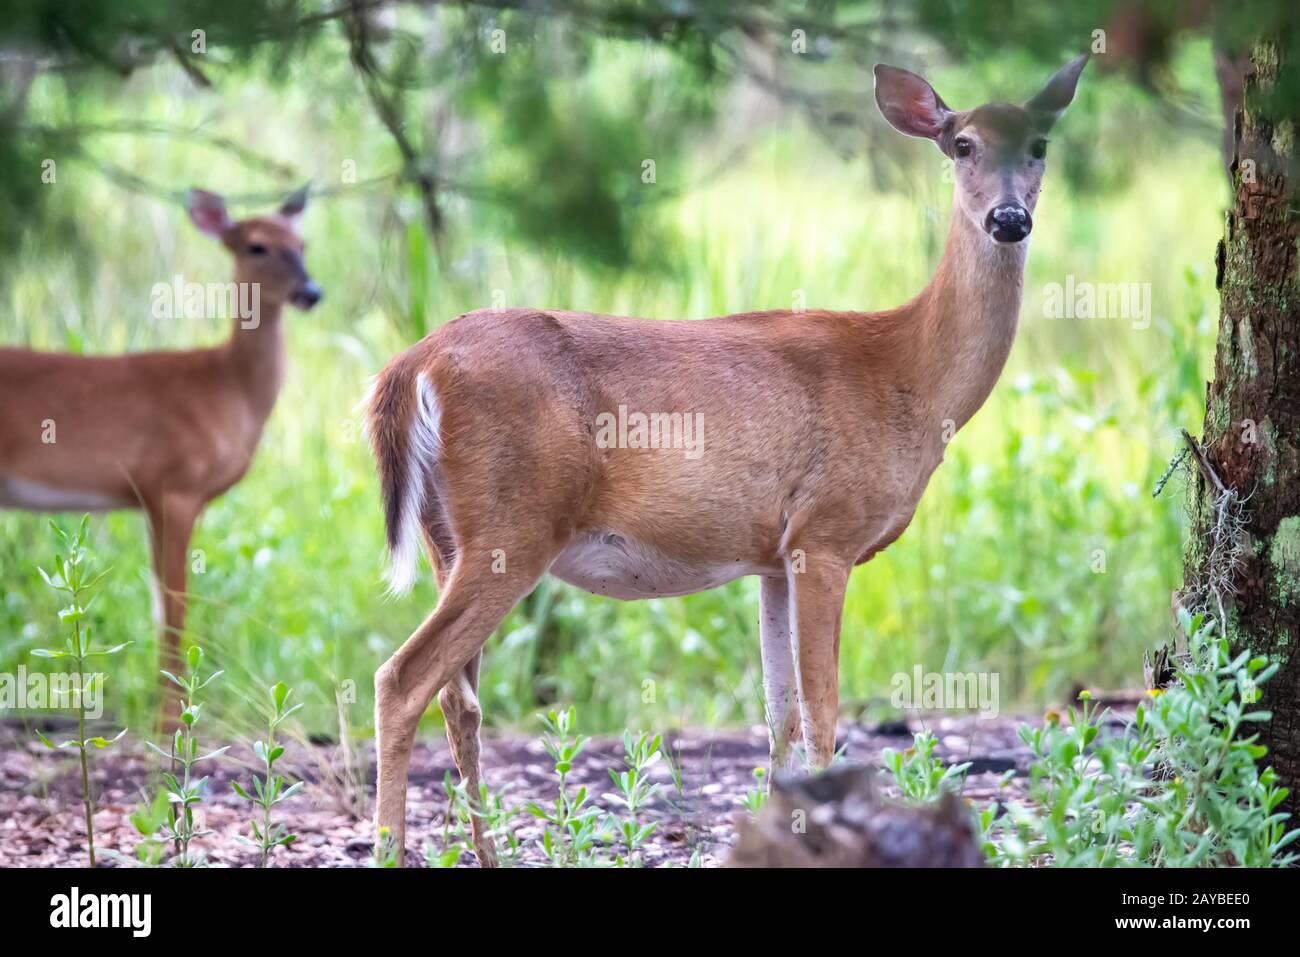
(1252, 420)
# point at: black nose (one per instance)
(307, 296)
(1008, 223)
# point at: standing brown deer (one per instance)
(812, 437)
(166, 432)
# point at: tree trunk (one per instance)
(1251, 575)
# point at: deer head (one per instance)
(999, 151)
(267, 249)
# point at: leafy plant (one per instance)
(570, 830)
(920, 776)
(148, 819)
(755, 798)
(386, 850)
(634, 790)
(269, 789)
(457, 836)
(71, 577)
(1178, 786)
(187, 792)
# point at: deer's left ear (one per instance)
(1052, 99)
(293, 206)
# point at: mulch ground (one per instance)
(41, 815)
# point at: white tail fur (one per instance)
(423, 450)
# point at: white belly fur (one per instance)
(607, 563)
(37, 497)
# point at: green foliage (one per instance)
(457, 836)
(755, 798)
(386, 850)
(918, 773)
(1179, 786)
(148, 819)
(635, 790)
(186, 792)
(575, 831)
(269, 788)
(72, 578)
(571, 827)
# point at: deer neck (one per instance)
(968, 316)
(255, 354)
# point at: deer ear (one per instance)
(208, 212)
(293, 207)
(909, 103)
(1059, 91)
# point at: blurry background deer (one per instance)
(164, 432)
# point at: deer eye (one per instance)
(257, 249)
(1039, 149)
(963, 146)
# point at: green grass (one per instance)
(996, 573)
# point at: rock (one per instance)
(838, 819)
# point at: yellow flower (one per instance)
(1051, 716)
(1155, 692)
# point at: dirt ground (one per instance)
(41, 816)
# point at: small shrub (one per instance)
(386, 850)
(185, 793)
(269, 789)
(570, 826)
(1179, 786)
(919, 775)
(148, 819)
(635, 790)
(755, 798)
(71, 577)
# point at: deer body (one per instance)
(820, 433)
(822, 418)
(127, 427)
(165, 432)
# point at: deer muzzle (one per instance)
(1008, 222)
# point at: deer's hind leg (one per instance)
(464, 717)
(459, 697)
(442, 654)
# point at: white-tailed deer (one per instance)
(165, 432)
(640, 459)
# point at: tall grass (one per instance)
(1000, 570)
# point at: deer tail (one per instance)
(403, 421)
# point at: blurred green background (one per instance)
(1038, 551)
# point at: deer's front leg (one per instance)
(818, 606)
(779, 692)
